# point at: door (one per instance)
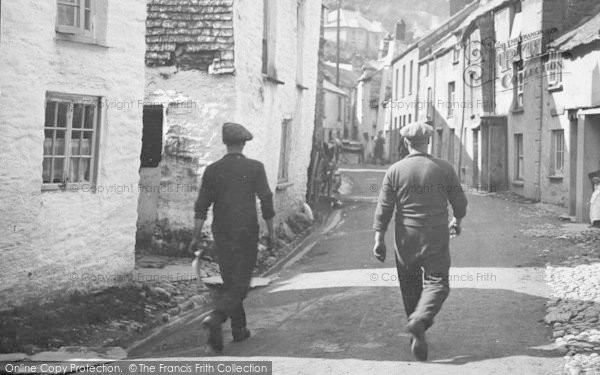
(494, 163)
(149, 186)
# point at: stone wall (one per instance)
(67, 239)
(263, 105)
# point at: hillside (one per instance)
(420, 16)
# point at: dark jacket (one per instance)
(419, 187)
(232, 185)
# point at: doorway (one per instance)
(494, 153)
(149, 186)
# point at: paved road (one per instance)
(339, 311)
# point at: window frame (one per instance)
(519, 157)
(410, 79)
(429, 103)
(80, 29)
(403, 80)
(456, 54)
(519, 90)
(557, 153)
(554, 68)
(72, 99)
(451, 98)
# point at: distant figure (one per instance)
(419, 188)
(594, 174)
(595, 203)
(338, 146)
(379, 149)
(231, 186)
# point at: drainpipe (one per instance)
(462, 124)
(540, 133)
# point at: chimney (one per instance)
(458, 5)
(401, 30)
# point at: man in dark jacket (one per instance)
(231, 185)
(419, 188)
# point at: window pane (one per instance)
(77, 116)
(59, 146)
(86, 143)
(59, 164)
(68, 15)
(84, 168)
(89, 117)
(75, 142)
(74, 170)
(48, 135)
(47, 170)
(50, 114)
(88, 20)
(63, 110)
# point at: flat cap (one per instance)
(417, 133)
(235, 133)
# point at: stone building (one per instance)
(573, 113)
(355, 29)
(72, 87)
(213, 61)
(496, 94)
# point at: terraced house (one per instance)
(214, 61)
(503, 84)
(71, 76)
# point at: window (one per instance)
(520, 85)
(554, 69)
(519, 167)
(456, 54)
(404, 120)
(71, 133)
(83, 21)
(403, 80)
(410, 80)
(269, 27)
(429, 104)
(74, 16)
(440, 139)
(300, 27)
(284, 155)
(558, 153)
(427, 69)
(451, 98)
(409, 119)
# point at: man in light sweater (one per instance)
(419, 188)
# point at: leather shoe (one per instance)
(419, 344)
(240, 334)
(215, 333)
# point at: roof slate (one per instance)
(586, 33)
(191, 34)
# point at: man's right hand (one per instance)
(455, 228)
(380, 250)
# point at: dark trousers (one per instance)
(423, 264)
(236, 254)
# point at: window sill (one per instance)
(79, 39)
(272, 79)
(518, 110)
(555, 88)
(556, 177)
(283, 185)
(519, 183)
(455, 62)
(301, 87)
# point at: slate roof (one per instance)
(586, 33)
(333, 88)
(190, 34)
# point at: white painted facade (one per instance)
(68, 238)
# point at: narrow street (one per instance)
(338, 310)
